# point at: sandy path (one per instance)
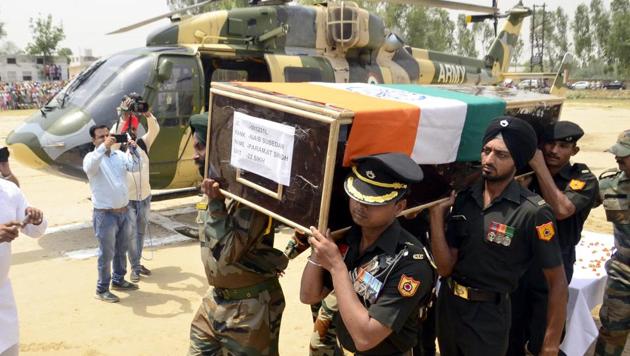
(59, 315)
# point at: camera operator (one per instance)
(138, 182)
(15, 216)
(5, 169)
(106, 169)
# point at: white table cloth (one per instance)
(586, 291)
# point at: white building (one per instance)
(79, 63)
(19, 67)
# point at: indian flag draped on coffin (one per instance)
(433, 126)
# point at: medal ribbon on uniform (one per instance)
(500, 234)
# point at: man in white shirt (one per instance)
(15, 216)
(139, 185)
(106, 169)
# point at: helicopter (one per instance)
(268, 41)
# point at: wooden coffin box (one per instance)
(284, 148)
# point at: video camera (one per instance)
(138, 104)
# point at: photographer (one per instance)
(15, 216)
(106, 169)
(138, 182)
(5, 170)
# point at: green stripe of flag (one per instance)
(480, 111)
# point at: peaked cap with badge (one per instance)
(622, 147)
(566, 131)
(382, 178)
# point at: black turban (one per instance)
(519, 137)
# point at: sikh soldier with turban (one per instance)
(241, 313)
(495, 229)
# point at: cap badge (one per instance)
(504, 123)
(569, 139)
(370, 174)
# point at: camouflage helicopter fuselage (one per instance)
(280, 43)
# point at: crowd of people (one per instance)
(503, 248)
(28, 94)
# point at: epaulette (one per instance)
(609, 173)
(536, 199)
(581, 167)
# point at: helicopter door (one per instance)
(286, 68)
(178, 95)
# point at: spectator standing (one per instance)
(15, 216)
(138, 183)
(106, 170)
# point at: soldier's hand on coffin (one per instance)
(525, 180)
(210, 187)
(442, 208)
(325, 250)
(538, 161)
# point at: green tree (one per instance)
(9, 47)
(619, 40)
(65, 52)
(582, 36)
(600, 26)
(218, 5)
(517, 51)
(559, 44)
(466, 45)
(487, 37)
(46, 37)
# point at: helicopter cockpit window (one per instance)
(174, 101)
(99, 89)
(229, 75)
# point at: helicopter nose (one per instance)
(26, 149)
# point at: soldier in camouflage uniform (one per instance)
(241, 313)
(615, 312)
(323, 340)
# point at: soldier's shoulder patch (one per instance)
(546, 231)
(542, 202)
(577, 184)
(407, 286)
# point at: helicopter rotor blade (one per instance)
(159, 17)
(452, 5)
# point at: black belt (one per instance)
(249, 291)
(474, 294)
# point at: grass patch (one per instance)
(598, 95)
(600, 103)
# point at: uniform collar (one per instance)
(387, 242)
(512, 192)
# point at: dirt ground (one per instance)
(54, 293)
